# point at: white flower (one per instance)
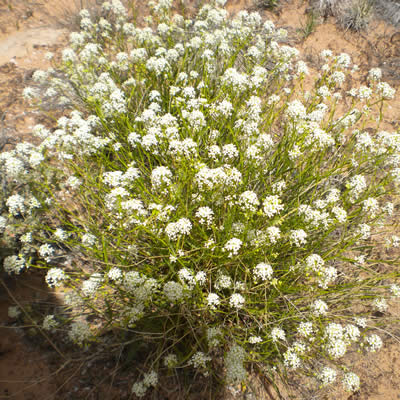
(214, 335)
(3, 223)
(273, 233)
(319, 307)
(255, 339)
(139, 389)
(375, 74)
(213, 300)
(291, 360)
(272, 205)
(46, 251)
(79, 332)
(364, 92)
(314, 262)
(232, 246)
(200, 360)
(327, 376)
(374, 343)
(224, 108)
(90, 286)
(278, 334)
(339, 213)
(357, 184)
(248, 201)
(115, 274)
(338, 77)
(269, 26)
(205, 216)
(26, 238)
(150, 379)
(235, 79)
(298, 237)
(380, 304)
(73, 182)
(323, 91)
(343, 60)
(302, 68)
(263, 272)
(173, 291)
(364, 231)
(60, 234)
(351, 382)
(361, 322)
(305, 329)
(170, 360)
(223, 282)
(160, 176)
(55, 277)
(182, 227)
(336, 348)
(15, 204)
(49, 323)
(278, 187)
(395, 290)
(351, 333)
(236, 301)
(371, 206)
(14, 264)
(385, 90)
(89, 240)
(29, 93)
(296, 110)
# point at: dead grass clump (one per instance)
(350, 14)
(389, 10)
(356, 15)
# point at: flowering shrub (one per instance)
(199, 198)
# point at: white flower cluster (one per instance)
(199, 360)
(55, 277)
(49, 323)
(174, 229)
(173, 291)
(351, 382)
(79, 332)
(263, 272)
(205, 216)
(319, 307)
(90, 286)
(213, 300)
(150, 379)
(236, 301)
(374, 343)
(272, 205)
(232, 247)
(327, 376)
(356, 185)
(14, 264)
(248, 201)
(278, 334)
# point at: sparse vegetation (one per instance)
(309, 25)
(266, 4)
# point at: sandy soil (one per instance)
(30, 367)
